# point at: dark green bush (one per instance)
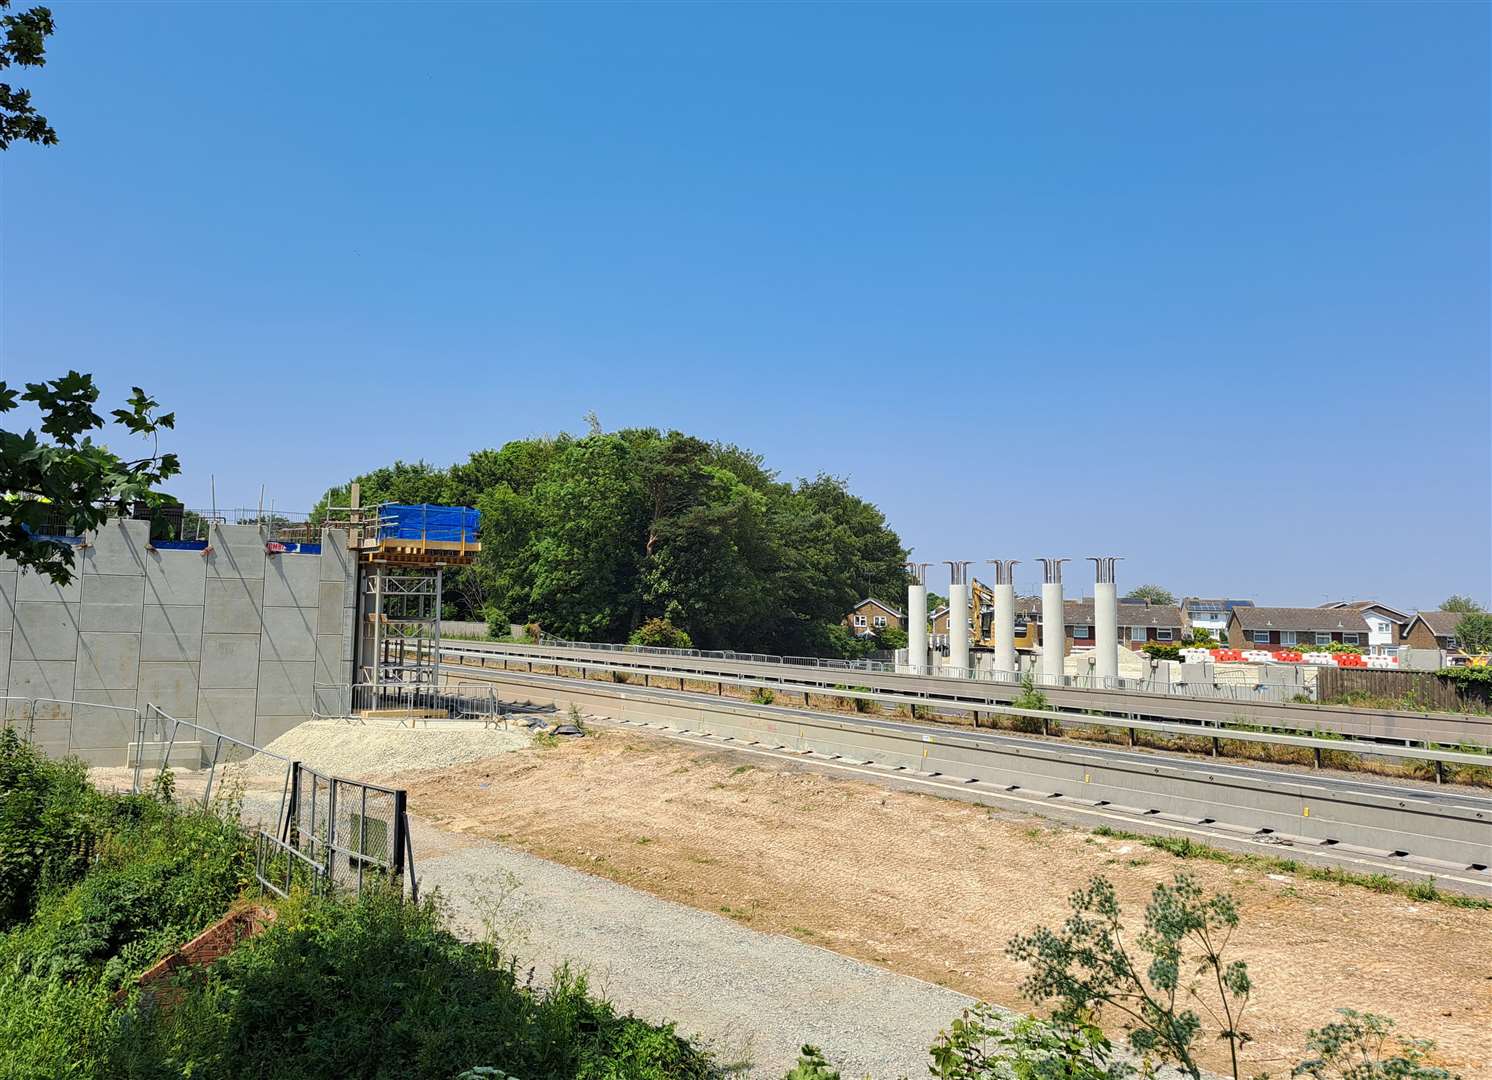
(378, 988)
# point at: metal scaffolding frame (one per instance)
(399, 618)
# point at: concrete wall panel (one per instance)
(336, 560)
(175, 577)
(232, 606)
(171, 687)
(42, 678)
(117, 548)
(331, 670)
(102, 729)
(237, 552)
(45, 631)
(5, 636)
(7, 599)
(171, 633)
(289, 634)
(35, 587)
(329, 613)
(292, 581)
(285, 689)
(269, 728)
(230, 661)
(228, 711)
(112, 602)
(108, 661)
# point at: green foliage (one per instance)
(836, 640)
(380, 988)
(1155, 594)
(1029, 698)
(1163, 650)
(594, 536)
(660, 634)
(61, 481)
(1354, 1048)
(1199, 638)
(1474, 632)
(1464, 604)
(25, 45)
(890, 638)
(1467, 676)
(762, 696)
(1086, 968)
(812, 1065)
(983, 1045)
(49, 821)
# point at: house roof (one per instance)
(1392, 614)
(1441, 623)
(1080, 613)
(1308, 619)
(887, 608)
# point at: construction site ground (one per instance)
(935, 888)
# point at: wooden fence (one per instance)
(1428, 690)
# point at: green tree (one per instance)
(660, 634)
(61, 481)
(25, 45)
(890, 638)
(1464, 604)
(594, 536)
(1156, 594)
(1474, 632)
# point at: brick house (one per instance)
(870, 615)
(1302, 629)
(1386, 625)
(1433, 630)
(1139, 623)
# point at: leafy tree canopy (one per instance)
(1153, 593)
(1460, 603)
(592, 537)
(61, 482)
(1474, 632)
(24, 45)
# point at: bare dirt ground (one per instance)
(934, 888)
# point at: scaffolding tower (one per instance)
(403, 552)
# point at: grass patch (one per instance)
(1184, 847)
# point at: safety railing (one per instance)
(36, 718)
(330, 833)
(1261, 691)
(409, 703)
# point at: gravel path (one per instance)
(749, 996)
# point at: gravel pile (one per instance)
(382, 749)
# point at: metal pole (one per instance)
(212, 771)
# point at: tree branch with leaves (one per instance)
(63, 481)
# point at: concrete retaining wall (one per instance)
(233, 637)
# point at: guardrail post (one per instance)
(212, 771)
(1439, 771)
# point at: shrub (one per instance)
(1163, 650)
(762, 696)
(890, 638)
(660, 634)
(378, 987)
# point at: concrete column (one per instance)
(1053, 629)
(1105, 620)
(1004, 624)
(958, 617)
(917, 618)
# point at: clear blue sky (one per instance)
(1203, 286)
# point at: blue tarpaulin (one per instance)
(445, 524)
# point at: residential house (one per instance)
(1433, 630)
(1303, 629)
(1211, 615)
(870, 615)
(1139, 623)
(1386, 625)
